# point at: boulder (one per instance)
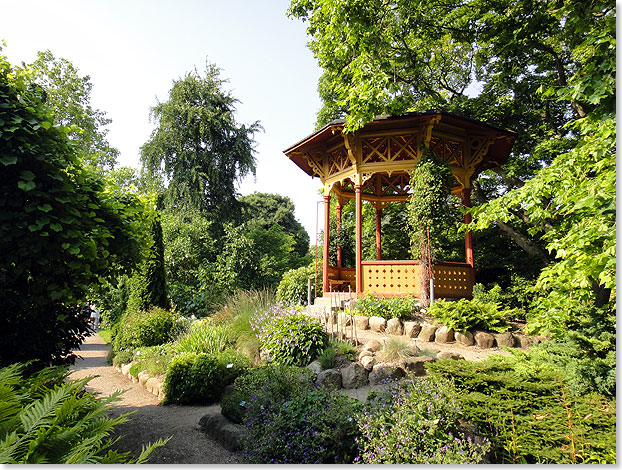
(384, 372)
(143, 376)
(329, 377)
(427, 332)
(372, 345)
(377, 324)
(153, 384)
(125, 368)
(315, 366)
(524, 341)
(449, 355)
(505, 339)
(465, 338)
(354, 376)
(361, 322)
(221, 429)
(344, 319)
(444, 335)
(484, 340)
(411, 329)
(368, 362)
(394, 327)
(365, 353)
(415, 365)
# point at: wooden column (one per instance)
(378, 233)
(468, 237)
(326, 241)
(338, 210)
(359, 235)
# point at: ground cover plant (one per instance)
(44, 418)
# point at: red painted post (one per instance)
(359, 232)
(338, 210)
(378, 234)
(326, 242)
(468, 237)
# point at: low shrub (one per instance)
(273, 383)
(152, 359)
(137, 329)
(204, 337)
(314, 427)
(293, 340)
(528, 414)
(334, 348)
(201, 378)
(121, 357)
(415, 422)
(466, 314)
(292, 289)
(391, 307)
(47, 419)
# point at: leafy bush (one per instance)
(415, 422)
(201, 378)
(465, 314)
(122, 357)
(137, 329)
(292, 289)
(327, 357)
(392, 307)
(204, 337)
(273, 383)
(293, 340)
(44, 419)
(527, 413)
(152, 359)
(314, 427)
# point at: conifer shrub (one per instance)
(293, 339)
(201, 378)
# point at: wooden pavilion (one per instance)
(374, 164)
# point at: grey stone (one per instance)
(415, 365)
(221, 429)
(372, 345)
(449, 355)
(365, 353)
(385, 372)
(394, 327)
(361, 322)
(354, 376)
(143, 377)
(411, 329)
(330, 377)
(465, 338)
(444, 335)
(377, 324)
(427, 332)
(368, 362)
(524, 341)
(315, 366)
(484, 340)
(506, 339)
(125, 368)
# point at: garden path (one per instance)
(150, 421)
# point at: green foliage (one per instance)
(152, 359)
(201, 378)
(293, 340)
(386, 307)
(470, 314)
(202, 150)
(416, 422)
(334, 348)
(313, 427)
(63, 229)
(527, 413)
(45, 419)
(518, 296)
(292, 289)
(152, 328)
(205, 337)
(270, 384)
(147, 287)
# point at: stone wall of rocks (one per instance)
(151, 384)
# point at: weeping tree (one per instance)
(430, 216)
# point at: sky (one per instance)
(133, 50)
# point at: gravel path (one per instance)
(150, 421)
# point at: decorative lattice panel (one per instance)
(391, 279)
(452, 281)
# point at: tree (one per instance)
(69, 94)
(199, 148)
(267, 210)
(63, 228)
